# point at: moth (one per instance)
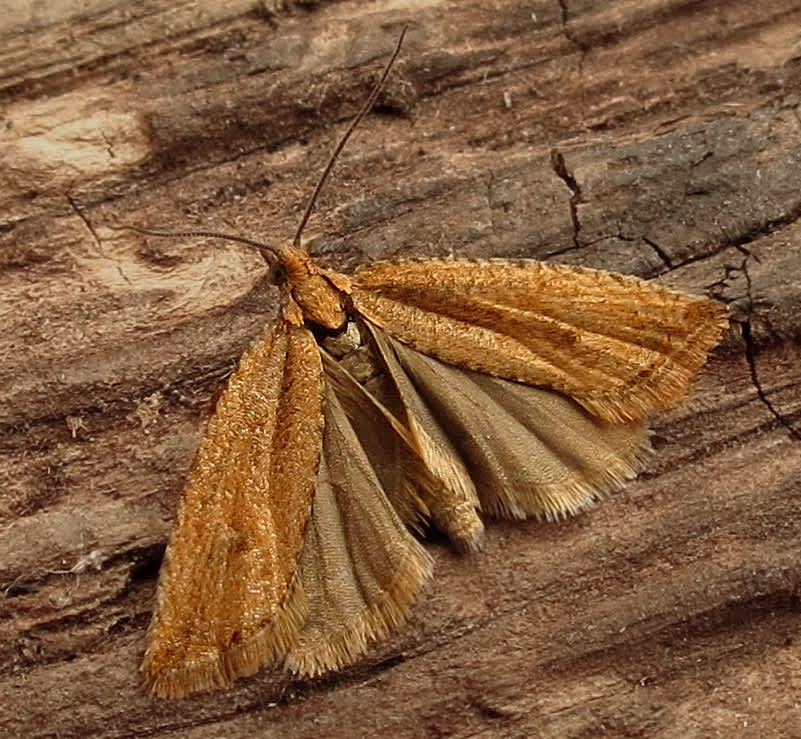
(510, 388)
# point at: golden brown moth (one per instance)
(511, 387)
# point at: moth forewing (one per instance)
(622, 347)
(225, 603)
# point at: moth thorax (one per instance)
(320, 302)
(313, 291)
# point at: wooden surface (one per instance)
(661, 138)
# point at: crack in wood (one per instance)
(569, 35)
(560, 168)
(660, 252)
(750, 356)
(750, 348)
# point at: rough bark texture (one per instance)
(657, 137)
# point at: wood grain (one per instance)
(658, 138)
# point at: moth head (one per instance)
(319, 294)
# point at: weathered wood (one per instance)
(661, 138)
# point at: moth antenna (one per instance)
(365, 109)
(270, 253)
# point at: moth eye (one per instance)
(277, 273)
